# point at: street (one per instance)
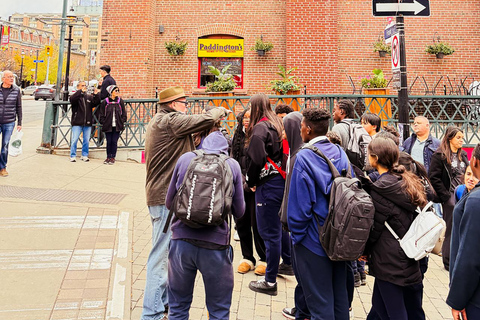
(32, 110)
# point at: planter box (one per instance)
(380, 106)
(294, 103)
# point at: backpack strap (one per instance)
(334, 170)
(282, 173)
(392, 232)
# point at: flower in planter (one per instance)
(175, 48)
(380, 45)
(261, 45)
(224, 82)
(376, 81)
(287, 83)
(440, 48)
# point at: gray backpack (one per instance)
(357, 145)
(205, 195)
(350, 216)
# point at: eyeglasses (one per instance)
(184, 102)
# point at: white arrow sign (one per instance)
(396, 7)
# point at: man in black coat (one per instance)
(82, 105)
(107, 81)
(10, 109)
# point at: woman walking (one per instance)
(396, 194)
(447, 168)
(112, 118)
(264, 151)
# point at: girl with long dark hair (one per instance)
(264, 152)
(447, 168)
(396, 195)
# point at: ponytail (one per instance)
(412, 185)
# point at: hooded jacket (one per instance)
(106, 114)
(11, 106)
(214, 143)
(82, 106)
(440, 174)
(291, 123)
(386, 259)
(169, 135)
(431, 145)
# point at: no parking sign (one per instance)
(395, 52)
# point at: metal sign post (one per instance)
(403, 109)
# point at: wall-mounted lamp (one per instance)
(161, 29)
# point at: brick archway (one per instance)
(221, 28)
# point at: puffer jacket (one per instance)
(387, 260)
(107, 109)
(11, 106)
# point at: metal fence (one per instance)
(442, 111)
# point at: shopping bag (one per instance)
(15, 147)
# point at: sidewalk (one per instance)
(76, 237)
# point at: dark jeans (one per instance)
(350, 277)
(112, 143)
(321, 288)
(286, 248)
(6, 131)
(184, 259)
(447, 209)
(358, 266)
(246, 226)
(473, 312)
(268, 198)
(393, 302)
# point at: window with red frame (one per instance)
(204, 75)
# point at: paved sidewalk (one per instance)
(87, 260)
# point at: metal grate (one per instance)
(60, 195)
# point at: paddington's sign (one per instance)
(231, 48)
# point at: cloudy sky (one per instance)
(30, 6)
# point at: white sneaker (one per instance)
(73, 159)
(351, 313)
(236, 237)
(85, 159)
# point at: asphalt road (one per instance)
(32, 110)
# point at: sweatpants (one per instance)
(112, 143)
(322, 287)
(268, 197)
(184, 259)
(393, 302)
(246, 227)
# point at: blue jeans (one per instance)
(155, 296)
(76, 130)
(184, 259)
(6, 131)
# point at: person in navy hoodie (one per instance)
(205, 249)
(464, 294)
(322, 286)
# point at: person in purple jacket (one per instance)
(205, 249)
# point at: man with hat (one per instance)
(169, 135)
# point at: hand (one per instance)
(19, 128)
(95, 91)
(363, 258)
(459, 315)
(253, 189)
(84, 89)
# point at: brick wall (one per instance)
(325, 40)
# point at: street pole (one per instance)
(61, 49)
(67, 70)
(21, 70)
(403, 108)
(36, 69)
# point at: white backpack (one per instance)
(425, 235)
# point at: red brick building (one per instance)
(325, 39)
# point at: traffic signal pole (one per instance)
(403, 108)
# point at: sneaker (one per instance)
(236, 237)
(363, 278)
(245, 266)
(262, 286)
(289, 313)
(350, 313)
(261, 268)
(3, 173)
(358, 281)
(73, 159)
(112, 161)
(85, 159)
(285, 269)
(107, 161)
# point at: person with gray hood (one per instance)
(204, 249)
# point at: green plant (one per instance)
(224, 82)
(376, 81)
(262, 45)
(380, 45)
(287, 82)
(440, 47)
(175, 48)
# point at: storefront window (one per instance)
(236, 70)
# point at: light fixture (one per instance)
(161, 29)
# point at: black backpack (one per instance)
(205, 195)
(357, 144)
(350, 216)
